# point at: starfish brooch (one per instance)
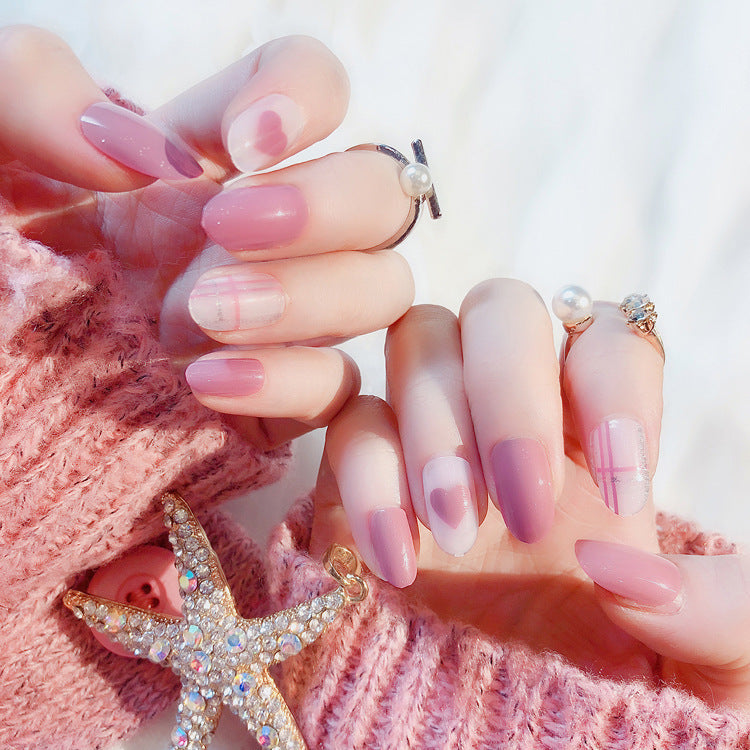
(221, 658)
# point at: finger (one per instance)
(58, 122)
(301, 383)
(364, 452)
(424, 370)
(511, 376)
(276, 101)
(613, 382)
(693, 610)
(344, 201)
(325, 298)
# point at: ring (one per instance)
(575, 309)
(416, 182)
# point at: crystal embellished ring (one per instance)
(415, 180)
(575, 309)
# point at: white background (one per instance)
(606, 144)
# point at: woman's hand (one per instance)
(270, 266)
(478, 402)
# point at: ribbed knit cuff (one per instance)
(94, 426)
(392, 675)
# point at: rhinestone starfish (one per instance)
(221, 658)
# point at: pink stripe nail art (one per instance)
(136, 142)
(237, 301)
(619, 462)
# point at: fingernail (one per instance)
(523, 483)
(451, 509)
(393, 546)
(136, 142)
(252, 218)
(236, 302)
(619, 463)
(642, 577)
(225, 377)
(262, 133)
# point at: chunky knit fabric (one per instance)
(393, 676)
(94, 426)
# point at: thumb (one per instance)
(58, 122)
(693, 610)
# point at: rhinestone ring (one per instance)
(575, 308)
(415, 180)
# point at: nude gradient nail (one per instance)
(136, 142)
(237, 301)
(523, 484)
(641, 577)
(263, 132)
(619, 464)
(254, 218)
(393, 546)
(451, 507)
(225, 377)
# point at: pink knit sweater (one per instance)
(95, 426)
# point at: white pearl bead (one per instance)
(415, 180)
(572, 304)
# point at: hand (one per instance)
(285, 257)
(478, 402)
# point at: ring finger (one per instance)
(343, 201)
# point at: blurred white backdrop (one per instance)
(604, 144)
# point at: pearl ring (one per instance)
(575, 308)
(415, 180)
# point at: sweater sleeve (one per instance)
(95, 426)
(392, 675)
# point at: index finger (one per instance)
(271, 104)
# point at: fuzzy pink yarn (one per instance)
(393, 676)
(94, 427)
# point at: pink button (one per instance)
(145, 577)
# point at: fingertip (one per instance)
(297, 94)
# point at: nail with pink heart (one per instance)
(451, 505)
(264, 132)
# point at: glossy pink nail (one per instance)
(252, 218)
(642, 577)
(136, 142)
(262, 133)
(451, 508)
(619, 464)
(225, 377)
(393, 546)
(523, 484)
(237, 301)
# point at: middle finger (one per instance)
(343, 201)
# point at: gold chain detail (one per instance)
(344, 567)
